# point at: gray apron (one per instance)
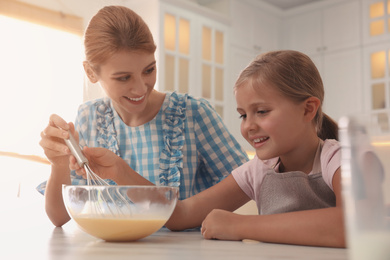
(294, 191)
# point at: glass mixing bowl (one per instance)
(120, 213)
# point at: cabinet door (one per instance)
(341, 26)
(242, 25)
(325, 30)
(377, 83)
(303, 32)
(193, 55)
(266, 32)
(343, 83)
(213, 65)
(254, 29)
(177, 50)
(376, 21)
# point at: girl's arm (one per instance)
(190, 213)
(318, 227)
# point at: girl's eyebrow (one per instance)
(261, 103)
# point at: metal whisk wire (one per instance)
(93, 178)
(98, 198)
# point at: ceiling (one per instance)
(287, 4)
(281, 4)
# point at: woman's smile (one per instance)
(136, 100)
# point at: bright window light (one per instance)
(41, 74)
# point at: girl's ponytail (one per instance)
(329, 128)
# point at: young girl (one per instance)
(165, 138)
(295, 177)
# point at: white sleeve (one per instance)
(330, 160)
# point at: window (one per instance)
(41, 73)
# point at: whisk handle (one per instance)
(76, 150)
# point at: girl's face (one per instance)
(271, 123)
(128, 78)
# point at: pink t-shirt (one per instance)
(249, 176)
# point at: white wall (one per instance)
(87, 8)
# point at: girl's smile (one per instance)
(258, 142)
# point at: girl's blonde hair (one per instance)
(296, 77)
(112, 29)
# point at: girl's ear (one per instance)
(311, 106)
(90, 72)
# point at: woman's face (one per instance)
(271, 123)
(128, 78)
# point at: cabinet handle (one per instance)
(322, 49)
(257, 48)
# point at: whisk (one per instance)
(102, 199)
(92, 178)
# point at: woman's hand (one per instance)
(221, 224)
(102, 161)
(52, 140)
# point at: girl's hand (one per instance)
(52, 140)
(221, 224)
(102, 161)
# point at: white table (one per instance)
(26, 233)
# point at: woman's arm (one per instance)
(54, 204)
(319, 227)
(190, 213)
(56, 151)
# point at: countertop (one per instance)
(26, 233)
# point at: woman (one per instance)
(164, 138)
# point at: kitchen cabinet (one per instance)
(253, 28)
(323, 29)
(303, 33)
(376, 21)
(377, 84)
(342, 78)
(376, 60)
(193, 54)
